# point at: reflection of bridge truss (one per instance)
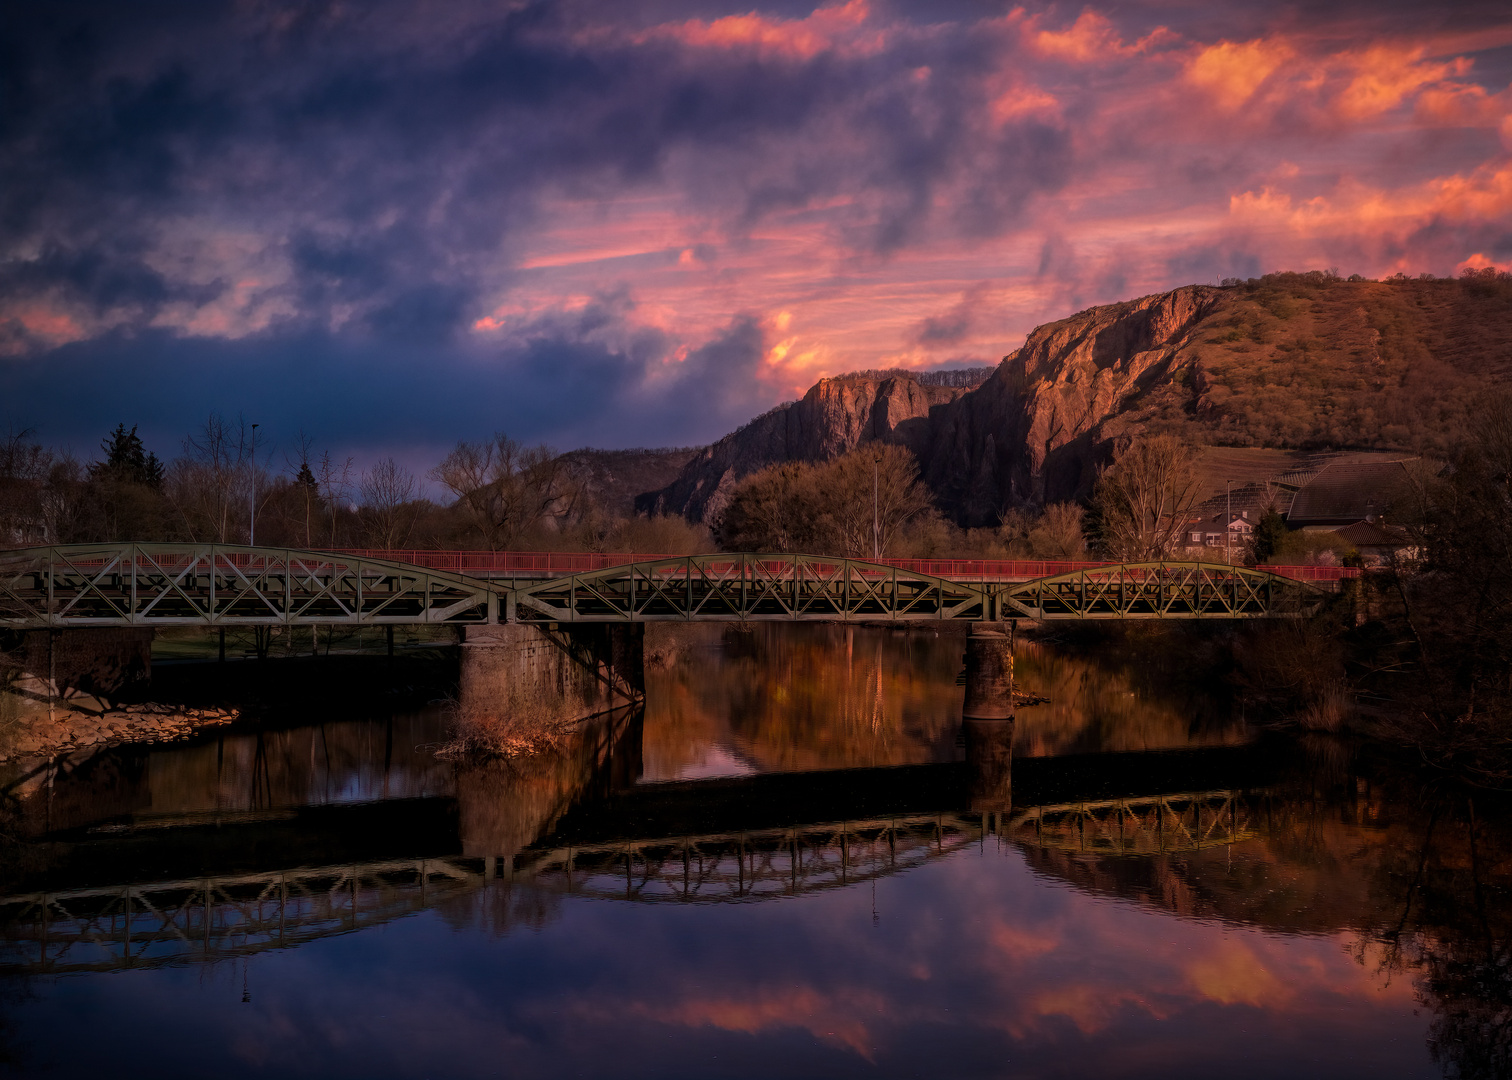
(169, 584)
(750, 865)
(237, 915)
(174, 922)
(1153, 826)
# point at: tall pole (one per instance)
(1228, 518)
(252, 493)
(876, 517)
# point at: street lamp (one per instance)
(876, 517)
(1228, 519)
(252, 493)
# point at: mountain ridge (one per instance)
(1287, 361)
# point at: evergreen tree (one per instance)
(1270, 534)
(126, 459)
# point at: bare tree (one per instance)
(1146, 497)
(24, 467)
(333, 480)
(1058, 533)
(506, 489)
(212, 483)
(830, 508)
(305, 483)
(870, 494)
(388, 509)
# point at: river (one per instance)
(770, 870)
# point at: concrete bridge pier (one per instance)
(527, 677)
(989, 673)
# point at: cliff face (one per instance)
(1038, 429)
(833, 418)
(1293, 361)
(1035, 431)
(614, 478)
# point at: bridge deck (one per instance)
(203, 584)
(544, 565)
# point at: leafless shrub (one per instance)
(480, 732)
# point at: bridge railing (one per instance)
(550, 564)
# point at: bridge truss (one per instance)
(1160, 590)
(213, 585)
(757, 587)
(209, 584)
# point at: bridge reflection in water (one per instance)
(223, 917)
(572, 823)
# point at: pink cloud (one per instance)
(823, 29)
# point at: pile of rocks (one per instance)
(72, 730)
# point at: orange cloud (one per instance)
(1023, 101)
(1091, 37)
(1232, 72)
(1386, 75)
(1480, 261)
(1484, 194)
(826, 28)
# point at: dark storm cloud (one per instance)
(412, 208)
(385, 164)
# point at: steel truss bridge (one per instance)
(236, 915)
(213, 585)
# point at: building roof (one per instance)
(1345, 493)
(1364, 534)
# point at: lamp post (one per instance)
(1228, 519)
(252, 493)
(876, 516)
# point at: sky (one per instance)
(391, 225)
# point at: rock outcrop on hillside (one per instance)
(1288, 361)
(613, 478)
(1038, 429)
(833, 418)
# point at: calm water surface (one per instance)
(774, 871)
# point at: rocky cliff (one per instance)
(1289, 361)
(833, 418)
(1038, 429)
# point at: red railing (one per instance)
(561, 563)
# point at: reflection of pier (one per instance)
(224, 916)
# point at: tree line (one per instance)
(228, 485)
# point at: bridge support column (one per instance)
(520, 681)
(989, 674)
